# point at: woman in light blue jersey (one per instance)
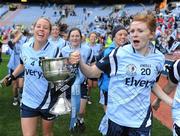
(36, 97)
(120, 39)
(134, 70)
(18, 39)
(173, 84)
(78, 93)
(96, 48)
(55, 37)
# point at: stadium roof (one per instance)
(85, 1)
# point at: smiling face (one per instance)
(75, 38)
(92, 38)
(55, 31)
(42, 29)
(140, 35)
(121, 37)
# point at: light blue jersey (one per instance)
(14, 60)
(132, 77)
(35, 91)
(175, 78)
(96, 48)
(103, 81)
(59, 42)
(86, 55)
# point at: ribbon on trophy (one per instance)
(75, 100)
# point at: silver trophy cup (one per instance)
(57, 72)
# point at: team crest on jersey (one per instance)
(131, 70)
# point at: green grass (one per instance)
(10, 119)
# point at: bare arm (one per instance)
(9, 78)
(18, 36)
(18, 70)
(169, 87)
(90, 71)
(162, 95)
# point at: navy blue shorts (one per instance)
(105, 93)
(27, 112)
(93, 79)
(118, 130)
(21, 75)
(84, 90)
(176, 130)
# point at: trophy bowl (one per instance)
(55, 69)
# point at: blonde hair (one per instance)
(50, 25)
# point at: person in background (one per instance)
(174, 41)
(96, 48)
(37, 94)
(108, 41)
(1, 51)
(83, 38)
(55, 37)
(120, 39)
(15, 45)
(134, 70)
(78, 92)
(173, 84)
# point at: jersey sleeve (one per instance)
(108, 64)
(21, 62)
(104, 65)
(100, 56)
(174, 72)
(160, 68)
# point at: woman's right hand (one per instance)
(7, 80)
(74, 57)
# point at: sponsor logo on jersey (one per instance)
(35, 73)
(138, 83)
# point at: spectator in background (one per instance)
(174, 41)
(83, 38)
(1, 43)
(108, 41)
(1, 51)
(170, 22)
